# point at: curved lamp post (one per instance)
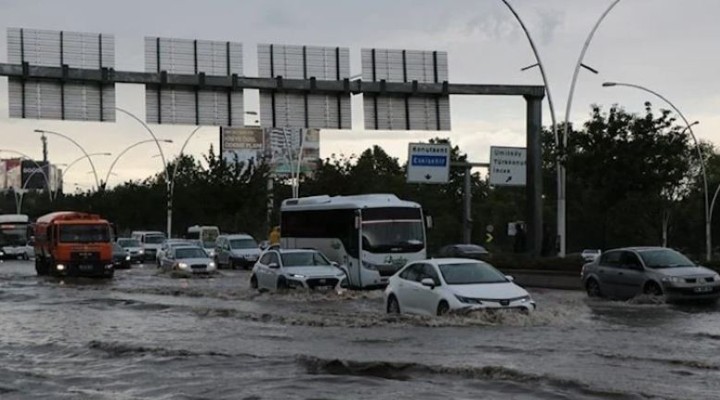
(107, 177)
(92, 165)
(177, 163)
(562, 233)
(168, 207)
(708, 233)
(75, 161)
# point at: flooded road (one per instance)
(149, 335)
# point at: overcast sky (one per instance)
(670, 46)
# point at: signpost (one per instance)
(508, 166)
(428, 163)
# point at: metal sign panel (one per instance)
(428, 163)
(411, 112)
(193, 106)
(59, 99)
(508, 166)
(34, 174)
(304, 110)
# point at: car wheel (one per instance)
(652, 289)
(25, 256)
(253, 282)
(593, 288)
(443, 308)
(393, 307)
(282, 284)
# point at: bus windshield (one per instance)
(393, 236)
(84, 233)
(13, 234)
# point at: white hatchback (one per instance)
(438, 286)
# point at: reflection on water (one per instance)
(147, 334)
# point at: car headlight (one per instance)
(525, 299)
(141, 251)
(211, 264)
(182, 266)
(297, 276)
(369, 266)
(60, 267)
(127, 258)
(716, 278)
(672, 279)
(468, 300)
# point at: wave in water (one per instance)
(409, 371)
(117, 349)
(696, 364)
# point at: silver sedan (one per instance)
(628, 272)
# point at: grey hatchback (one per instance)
(625, 273)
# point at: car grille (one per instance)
(317, 282)
(502, 302)
(198, 266)
(82, 256)
(698, 280)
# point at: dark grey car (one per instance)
(628, 272)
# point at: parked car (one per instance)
(473, 251)
(120, 257)
(589, 255)
(628, 272)
(234, 251)
(133, 247)
(169, 243)
(189, 259)
(438, 286)
(308, 269)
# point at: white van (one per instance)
(150, 242)
(205, 237)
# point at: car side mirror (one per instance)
(510, 278)
(273, 266)
(334, 264)
(428, 282)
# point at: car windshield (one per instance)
(190, 253)
(243, 244)
(470, 273)
(665, 258)
(393, 236)
(304, 259)
(154, 239)
(84, 233)
(129, 243)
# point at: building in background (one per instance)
(16, 173)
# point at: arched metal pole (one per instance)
(558, 165)
(177, 162)
(562, 194)
(708, 232)
(62, 175)
(92, 165)
(107, 176)
(168, 207)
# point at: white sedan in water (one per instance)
(437, 286)
(187, 259)
(285, 269)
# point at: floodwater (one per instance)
(146, 335)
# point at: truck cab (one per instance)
(69, 243)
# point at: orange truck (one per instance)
(69, 243)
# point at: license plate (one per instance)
(702, 289)
(85, 267)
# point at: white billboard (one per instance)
(428, 163)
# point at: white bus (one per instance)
(370, 236)
(15, 236)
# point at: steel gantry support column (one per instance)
(534, 175)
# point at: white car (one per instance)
(438, 286)
(188, 259)
(589, 255)
(308, 269)
(236, 250)
(168, 244)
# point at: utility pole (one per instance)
(43, 138)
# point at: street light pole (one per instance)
(107, 176)
(562, 193)
(92, 165)
(62, 175)
(708, 232)
(165, 168)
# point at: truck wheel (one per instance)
(40, 267)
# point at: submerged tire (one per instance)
(592, 287)
(393, 307)
(443, 308)
(652, 289)
(253, 282)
